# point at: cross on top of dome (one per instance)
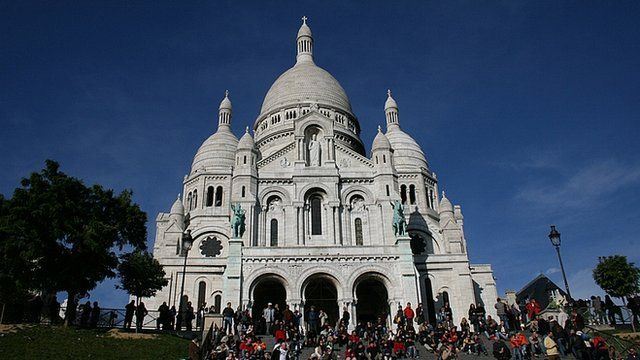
(304, 20)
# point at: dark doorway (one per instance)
(321, 293)
(268, 290)
(431, 310)
(372, 301)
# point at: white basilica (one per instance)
(318, 212)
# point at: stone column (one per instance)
(406, 270)
(232, 274)
(336, 226)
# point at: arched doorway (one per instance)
(320, 291)
(268, 289)
(373, 300)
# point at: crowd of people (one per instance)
(519, 332)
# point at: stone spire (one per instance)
(391, 111)
(224, 112)
(305, 43)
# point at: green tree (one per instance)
(617, 277)
(67, 233)
(140, 274)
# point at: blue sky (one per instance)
(529, 112)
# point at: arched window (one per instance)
(274, 232)
(403, 194)
(210, 196)
(202, 292)
(358, 225)
(387, 187)
(243, 191)
(218, 196)
(376, 159)
(217, 302)
(316, 215)
(384, 158)
(412, 194)
(195, 199)
(244, 160)
(190, 201)
(431, 198)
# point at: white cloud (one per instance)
(582, 285)
(584, 187)
(552, 270)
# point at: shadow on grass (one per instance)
(56, 342)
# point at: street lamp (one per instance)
(187, 241)
(554, 236)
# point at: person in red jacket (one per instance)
(533, 309)
(409, 314)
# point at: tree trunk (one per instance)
(70, 311)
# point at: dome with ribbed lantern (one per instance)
(305, 82)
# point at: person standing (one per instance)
(85, 315)
(323, 317)
(419, 314)
(141, 312)
(95, 315)
(611, 309)
(346, 317)
(501, 309)
(227, 317)
(129, 310)
(409, 315)
(163, 317)
(189, 316)
(269, 315)
(551, 347)
(312, 320)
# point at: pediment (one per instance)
(279, 160)
(347, 159)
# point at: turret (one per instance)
(304, 43)
(391, 112)
(381, 153)
(224, 113)
(177, 212)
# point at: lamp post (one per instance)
(554, 236)
(187, 241)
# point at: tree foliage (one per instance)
(141, 275)
(617, 277)
(60, 235)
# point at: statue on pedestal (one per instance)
(314, 151)
(237, 221)
(399, 222)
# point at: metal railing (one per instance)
(114, 318)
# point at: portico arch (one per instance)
(321, 291)
(268, 288)
(371, 297)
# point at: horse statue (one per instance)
(237, 221)
(399, 222)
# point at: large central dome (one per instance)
(305, 82)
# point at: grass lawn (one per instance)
(54, 342)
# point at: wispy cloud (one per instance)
(552, 270)
(585, 187)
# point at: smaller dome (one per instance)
(226, 103)
(177, 208)
(445, 204)
(218, 151)
(406, 151)
(246, 141)
(380, 141)
(390, 103)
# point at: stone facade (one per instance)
(318, 212)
